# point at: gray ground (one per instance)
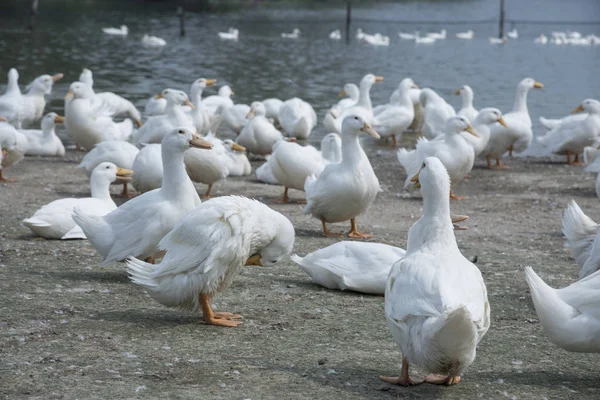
(71, 328)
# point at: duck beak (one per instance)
(578, 109)
(237, 147)
(342, 94)
(232, 93)
(189, 103)
(200, 143)
(414, 86)
(253, 260)
(57, 77)
(123, 174)
(370, 131)
(210, 82)
(159, 96)
(456, 219)
(138, 123)
(59, 119)
(4, 153)
(457, 92)
(69, 95)
(415, 180)
(471, 131)
(3, 119)
(379, 79)
(250, 114)
(538, 85)
(502, 122)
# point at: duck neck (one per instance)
(175, 111)
(13, 84)
(364, 96)
(467, 100)
(48, 131)
(521, 100)
(197, 96)
(174, 174)
(100, 188)
(351, 150)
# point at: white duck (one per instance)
(468, 35)
(54, 221)
(297, 118)
(572, 136)
(569, 316)
(222, 99)
(356, 266)
(199, 113)
(156, 105)
(238, 164)
(344, 190)
(518, 136)
(393, 119)
(264, 173)
(581, 233)
(13, 145)
(135, 228)
(208, 248)
(513, 34)
(294, 35)
(87, 125)
(435, 112)
(234, 119)
(148, 168)
(363, 107)
(593, 164)
(117, 152)
(259, 135)
(153, 41)
(44, 142)
(155, 128)
(467, 109)
(209, 167)
(435, 299)
(112, 103)
(231, 34)
(453, 151)
(12, 86)
(122, 31)
(437, 35)
(31, 106)
(335, 35)
(482, 124)
(417, 124)
(291, 164)
(11, 102)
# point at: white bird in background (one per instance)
(466, 35)
(231, 34)
(153, 41)
(335, 35)
(542, 39)
(294, 35)
(408, 36)
(424, 40)
(494, 40)
(437, 35)
(513, 34)
(122, 31)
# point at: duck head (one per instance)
(257, 108)
(183, 138)
(355, 124)
(110, 172)
(457, 124)
(488, 116)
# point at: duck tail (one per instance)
(96, 230)
(580, 232)
(408, 159)
(456, 336)
(35, 223)
(553, 312)
(547, 123)
(141, 273)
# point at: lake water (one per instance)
(262, 65)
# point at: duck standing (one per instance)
(344, 190)
(435, 299)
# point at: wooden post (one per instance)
(181, 21)
(34, 8)
(348, 17)
(501, 21)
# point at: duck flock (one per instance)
(183, 251)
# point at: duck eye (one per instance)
(107, 167)
(423, 166)
(180, 131)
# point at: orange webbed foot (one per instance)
(398, 380)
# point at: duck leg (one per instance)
(150, 260)
(404, 379)
(326, 232)
(577, 161)
(207, 194)
(499, 164)
(354, 233)
(394, 140)
(3, 179)
(442, 380)
(455, 197)
(218, 319)
(488, 159)
(510, 151)
(285, 198)
(569, 158)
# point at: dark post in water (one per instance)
(348, 15)
(34, 7)
(501, 22)
(181, 21)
